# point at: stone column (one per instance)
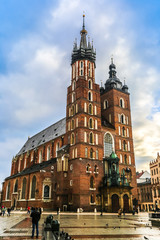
(109, 203)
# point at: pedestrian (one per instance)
(40, 211)
(35, 215)
(3, 211)
(28, 210)
(119, 212)
(8, 211)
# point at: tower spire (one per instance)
(83, 32)
(85, 50)
(83, 21)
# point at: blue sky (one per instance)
(36, 40)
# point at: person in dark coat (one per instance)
(40, 211)
(35, 215)
(8, 211)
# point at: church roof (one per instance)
(143, 177)
(46, 135)
(113, 155)
(34, 168)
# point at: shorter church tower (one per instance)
(115, 105)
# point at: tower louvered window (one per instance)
(108, 145)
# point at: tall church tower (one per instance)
(115, 104)
(83, 126)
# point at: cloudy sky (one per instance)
(36, 40)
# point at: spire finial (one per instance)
(83, 20)
(101, 82)
(124, 81)
(112, 59)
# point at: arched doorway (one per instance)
(115, 203)
(126, 203)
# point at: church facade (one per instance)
(85, 160)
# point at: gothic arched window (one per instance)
(72, 110)
(90, 84)
(88, 167)
(92, 182)
(92, 198)
(16, 186)
(105, 104)
(121, 102)
(90, 109)
(48, 153)
(96, 153)
(24, 188)
(90, 96)
(108, 145)
(8, 191)
(57, 146)
(122, 118)
(90, 123)
(72, 138)
(91, 140)
(46, 192)
(40, 156)
(72, 124)
(123, 132)
(125, 159)
(73, 85)
(95, 169)
(91, 153)
(33, 188)
(124, 145)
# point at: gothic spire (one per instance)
(83, 32)
(84, 51)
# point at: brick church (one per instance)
(85, 160)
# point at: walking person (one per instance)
(119, 212)
(40, 211)
(8, 211)
(28, 210)
(3, 211)
(35, 215)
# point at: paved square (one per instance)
(83, 226)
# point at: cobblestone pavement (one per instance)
(83, 226)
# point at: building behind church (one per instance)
(85, 160)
